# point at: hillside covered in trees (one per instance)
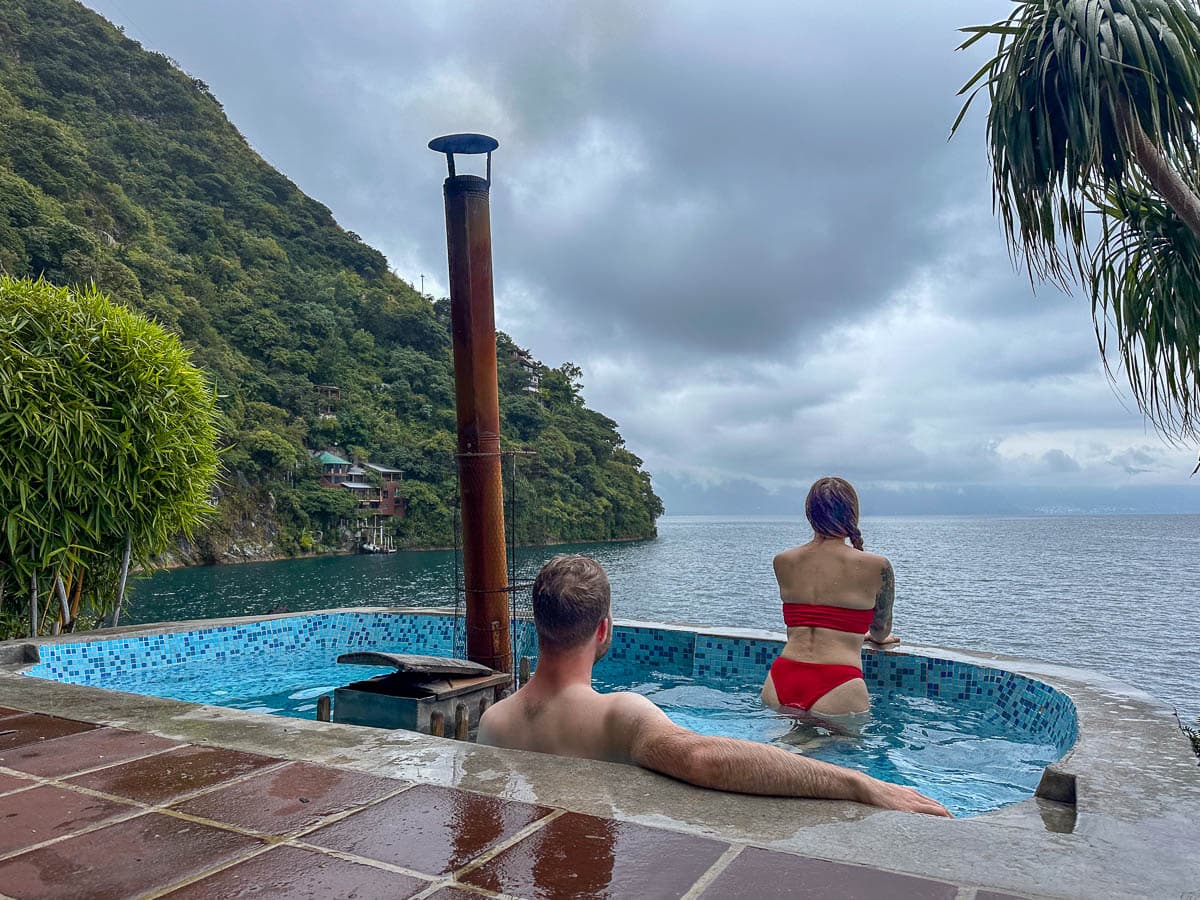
(116, 168)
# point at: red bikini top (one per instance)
(837, 618)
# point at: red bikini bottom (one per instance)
(801, 684)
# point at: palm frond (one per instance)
(1144, 278)
(1066, 81)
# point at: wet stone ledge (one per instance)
(1132, 831)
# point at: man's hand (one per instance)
(885, 642)
(894, 796)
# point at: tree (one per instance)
(107, 445)
(1095, 108)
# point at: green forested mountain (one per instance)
(119, 169)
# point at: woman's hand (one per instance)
(885, 642)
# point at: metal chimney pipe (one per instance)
(477, 402)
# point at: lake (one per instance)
(1118, 594)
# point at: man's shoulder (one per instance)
(496, 719)
(630, 707)
(627, 699)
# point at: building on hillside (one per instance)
(381, 500)
(531, 367)
(334, 469)
(329, 396)
(366, 494)
(391, 501)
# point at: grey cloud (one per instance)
(1134, 461)
(745, 222)
(1058, 462)
(810, 174)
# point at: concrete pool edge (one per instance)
(1138, 806)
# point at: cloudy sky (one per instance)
(744, 221)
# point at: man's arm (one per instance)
(747, 767)
(881, 628)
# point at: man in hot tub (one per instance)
(557, 711)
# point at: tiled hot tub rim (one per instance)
(1138, 794)
(1024, 703)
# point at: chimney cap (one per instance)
(464, 143)
(467, 143)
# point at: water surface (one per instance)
(1111, 593)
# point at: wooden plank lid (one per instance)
(416, 665)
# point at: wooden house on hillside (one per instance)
(334, 469)
(377, 488)
(391, 501)
(328, 398)
(530, 367)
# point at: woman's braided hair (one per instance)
(832, 509)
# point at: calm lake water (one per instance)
(1118, 594)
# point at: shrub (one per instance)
(107, 436)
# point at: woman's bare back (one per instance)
(830, 573)
(827, 572)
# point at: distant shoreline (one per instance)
(799, 517)
(283, 557)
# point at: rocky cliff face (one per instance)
(246, 529)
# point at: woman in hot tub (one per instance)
(835, 596)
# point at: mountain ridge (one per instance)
(118, 168)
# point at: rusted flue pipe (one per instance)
(476, 393)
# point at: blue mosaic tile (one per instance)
(91, 662)
(662, 649)
(731, 657)
(1021, 703)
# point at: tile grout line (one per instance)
(908, 873)
(270, 841)
(179, 798)
(473, 889)
(91, 792)
(713, 872)
(362, 860)
(488, 855)
(287, 836)
(5, 770)
(4, 795)
(76, 774)
(135, 811)
(138, 808)
(434, 887)
(338, 817)
(163, 890)
(480, 860)
(64, 782)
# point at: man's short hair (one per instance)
(571, 597)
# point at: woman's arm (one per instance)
(880, 631)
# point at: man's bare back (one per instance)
(576, 721)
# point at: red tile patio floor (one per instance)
(99, 812)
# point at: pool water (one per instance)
(968, 759)
(245, 683)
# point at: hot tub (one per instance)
(976, 738)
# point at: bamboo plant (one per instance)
(107, 451)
